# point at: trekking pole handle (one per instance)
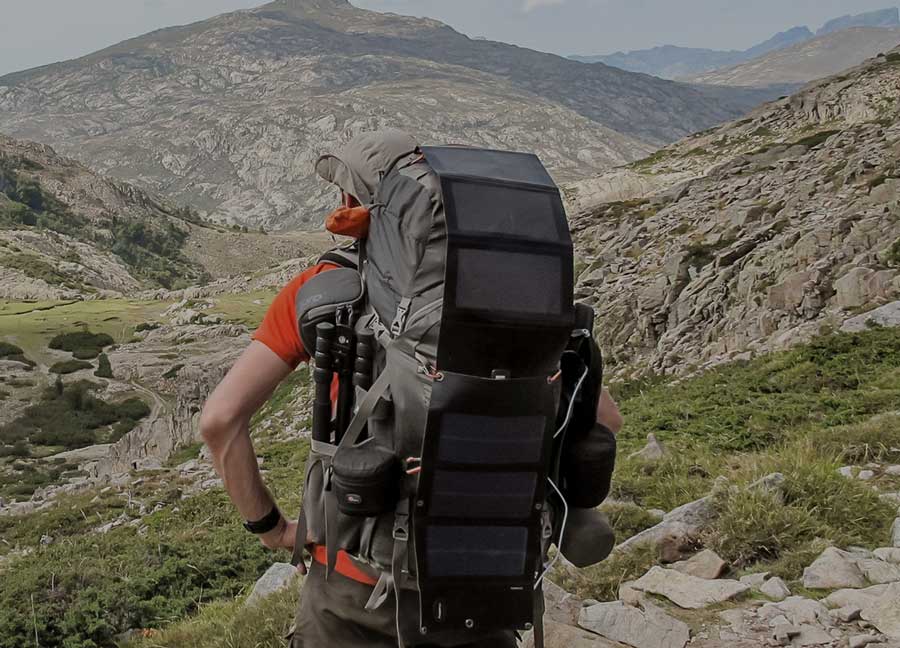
(322, 377)
(365, 355)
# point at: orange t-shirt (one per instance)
(279, 329)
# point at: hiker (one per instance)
(349, 598)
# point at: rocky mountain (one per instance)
(69, 233)
(714, 66)
(228, 115)
(751, 236)
(883, 18)
(672, 62)
(822, 56)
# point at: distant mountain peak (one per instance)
(882, 18)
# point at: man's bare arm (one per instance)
(225, 427)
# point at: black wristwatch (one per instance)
(268, 523)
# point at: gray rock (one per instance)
(799, 611)
(783, 635)
(559, 605)
(706, 564)
(884, 612)
(879, 572)
(861, 641)
(812, 635)
(866, 475)
(276, 578)
(653, 451)
(895, 534)
(887, 315)
(689, 592)
(889, 554)
(647, 628)
(847, 471)
(755, 581)
(776, 589)
(832, 570)
(893, 471)
(561, 635)
(846, 614)
(860, 598)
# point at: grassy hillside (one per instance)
(183, 570)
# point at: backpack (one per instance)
(462, 361)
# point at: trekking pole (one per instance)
(343, 352)
(322, 376)
(365, 355)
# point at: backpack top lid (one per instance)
(360, 165)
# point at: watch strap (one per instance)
(265, 525)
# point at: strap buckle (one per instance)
(399, 322)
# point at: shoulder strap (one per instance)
(344, 257)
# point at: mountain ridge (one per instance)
(687, 63)
(228, 114)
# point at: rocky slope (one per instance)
(827, 54)
(69, 233)
(753, 235)
(227, 115)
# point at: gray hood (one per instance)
(359, 166)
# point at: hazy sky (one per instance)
(36, 32)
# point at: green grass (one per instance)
(82, 591)
(31, 326)
(184, 454)
(14, 354)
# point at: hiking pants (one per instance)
(332, 615)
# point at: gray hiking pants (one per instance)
(333, 615)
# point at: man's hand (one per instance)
(284, 536)
(608, 413)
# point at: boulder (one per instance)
(755, 581)
(706, 564)
(887, 315)
(884, 612)
(641, 628)
(276, 578)
(798, 611)
(889, 554)
(687, 591)
(833, 569)
(894, 471)
(653, 451)
(776, 589)
(879, 572)
(860, 598)
(866, 475)
(861, 641)
(847, 614)
(561, 635)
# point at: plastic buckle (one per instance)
(399, 322)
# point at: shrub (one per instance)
(104, 368)
(173, 372)
(33, 266)
(69, 366)
(83, 592)
(81, 342)
(72, 417)
(15, 354)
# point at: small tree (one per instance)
(104, 368)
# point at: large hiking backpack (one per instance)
(450, 324)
